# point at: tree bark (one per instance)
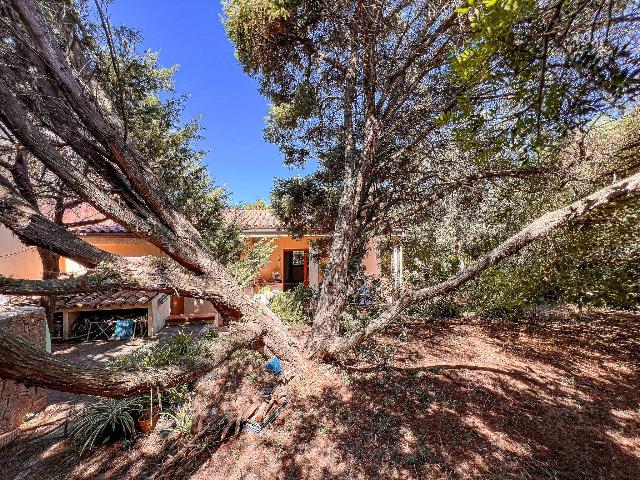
(50, 270)
(34, 229)
(25, 363)
(103, 124)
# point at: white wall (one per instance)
(197, 306)
(158, 313)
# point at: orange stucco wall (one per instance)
(16, 259)
(275, 261)
(127, 247)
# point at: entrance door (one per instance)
(296, 268)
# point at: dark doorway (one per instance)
(296, 266)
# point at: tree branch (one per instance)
(533, 231)
(25, 363)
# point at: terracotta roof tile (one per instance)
(253, 219)
(105, 299)
(246, 219)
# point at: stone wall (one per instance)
(16, 399)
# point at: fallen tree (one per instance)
(49, 97)
(23, 362)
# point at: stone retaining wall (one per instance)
(16, 399)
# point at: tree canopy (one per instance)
(404, 103)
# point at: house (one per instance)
(293, 262)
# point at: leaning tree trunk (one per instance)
(25, 363)
(619, 191)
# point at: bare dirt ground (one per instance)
(454, 399)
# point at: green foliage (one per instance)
(174, 397)
(293, 306)
(353, 320)
(258, 204)
(304, 204)
(106, 420)
(183, 418)
(256, 256)
(516, 52)
(256, 26)
(440, 308)
(152, 116)
(178, 349)
(593, 262)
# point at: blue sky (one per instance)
(189, 33)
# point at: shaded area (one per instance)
(451, 399)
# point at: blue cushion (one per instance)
(123, 330)
(274, 366)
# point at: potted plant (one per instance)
(149, 416)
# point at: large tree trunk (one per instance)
(25, 363)
(350, 229)
(334, 289)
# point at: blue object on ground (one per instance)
(123, 330)
(274, 366)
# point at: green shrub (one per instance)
(179, 348)
(440, 308)
(353, 320)
(183, 418)
(292, 306)
(173, 398)
(107, 420)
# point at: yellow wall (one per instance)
(124, 246)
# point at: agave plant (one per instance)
(107, 419)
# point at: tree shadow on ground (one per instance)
(454, 400)
(553, 413)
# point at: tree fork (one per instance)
(538, 228)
